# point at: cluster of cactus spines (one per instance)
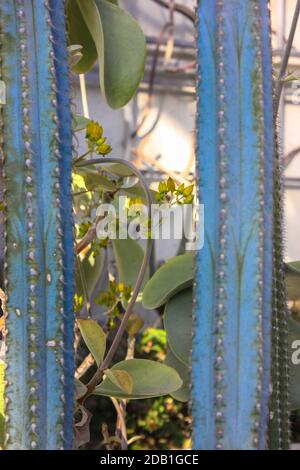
(279, 429)
(231, 350)
(66, 147)
(39, 241)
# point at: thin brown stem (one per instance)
(121, 430)
(87, 240)
(286, 56)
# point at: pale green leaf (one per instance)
(150, 379)
(129, 182)
(136, 192)
(121, 379)
(117, 169)
(92, 267)
(78, 182)
(95, 180)
(183, 393)
(80, 389)
(174, 276)
(129, 257)
(94, 337)
(80, 122)
(134, 325)
(78, 34)
(178, 324)
(121, 49)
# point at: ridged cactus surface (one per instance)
(232, 338)
(36, 145)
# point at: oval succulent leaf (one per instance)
(80, 389)
(129, 257)
(121, 49)
(134, 325)
(80, 123)
(178, 324)
(292, 279)
(183, 393)
(174, 276)
(78, 33)
(121, 379)
(137, 192)
(94, 180)
(294, 355)
(150, 379)
(117, 169)
(92, 267)
(94, 337)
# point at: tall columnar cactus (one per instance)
(36, 147)
(233, 311)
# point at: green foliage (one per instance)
(121, 379)
(94, 337)
(80, 389)
(80, 123)
(183, 393)
(174, 276)
(169, 194)
(129, 257)
(79, 34)
(153, 344)
(178, 324)
(150, 379)
(116, 296)
(108, 32)
(95, 180)
(134, 325)
(117, 169)
(91, 269)
(160, 424)
(132, 379)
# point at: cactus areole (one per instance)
(36, 147)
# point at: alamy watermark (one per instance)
(167, 222)
(296, 353)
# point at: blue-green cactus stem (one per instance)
(39, 243)
(231, 348)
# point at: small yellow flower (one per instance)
(104, 149)
(121, 287)
(94, 131)
(101, 141)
